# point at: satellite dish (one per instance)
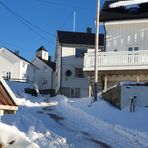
(68, 73)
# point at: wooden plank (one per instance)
(5, 98)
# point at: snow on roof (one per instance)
(127, 3)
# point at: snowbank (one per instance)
(10, 136)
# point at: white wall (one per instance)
(141, 93)
(120, 36)
(70, 62)
(9, 63)
(45, 73)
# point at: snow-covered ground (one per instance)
(61, 122)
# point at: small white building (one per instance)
(45, 75)
(125, 94)
(13, 66)
(70, 79)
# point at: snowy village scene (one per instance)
(73, 73)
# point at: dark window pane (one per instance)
(80, 52)
(79, 73)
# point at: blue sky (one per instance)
(48, 16)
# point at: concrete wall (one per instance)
(140, 92)
(113, 96)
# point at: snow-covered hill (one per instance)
(61, 122)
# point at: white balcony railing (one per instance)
(117, 60)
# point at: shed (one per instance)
(8, 102)
(121, 94)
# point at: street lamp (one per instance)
(96, 52)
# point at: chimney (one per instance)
(16, 52)
(88, 29)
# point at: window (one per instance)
(136, 48)
(80, 52)
(133, 48)
(130, 49)
(8, 75)
(79, 73)
(71, 92)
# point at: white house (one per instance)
(70, 79)
(126, 45)
(13, 66)
(45, 76)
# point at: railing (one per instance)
(117, 60)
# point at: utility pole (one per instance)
(96, 51)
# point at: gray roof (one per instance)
(78, 38)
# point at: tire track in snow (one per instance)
(113, 135)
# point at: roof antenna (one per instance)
(74, 21)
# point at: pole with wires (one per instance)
(96, 52)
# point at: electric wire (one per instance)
(27, 23)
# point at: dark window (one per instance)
(8, 75)
(130, 49)
(65, 91)
(71, 92)
(80, 52)
(79, 73)
(133, 48)
(136, 48)
(77, 92)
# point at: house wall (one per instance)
(131, 91)
(120, 36)
(70, 62)
(44, 75)
(9, 63)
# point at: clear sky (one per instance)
(25, 25)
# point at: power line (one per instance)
(62, 4)
(27, 23)
(55, 3)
